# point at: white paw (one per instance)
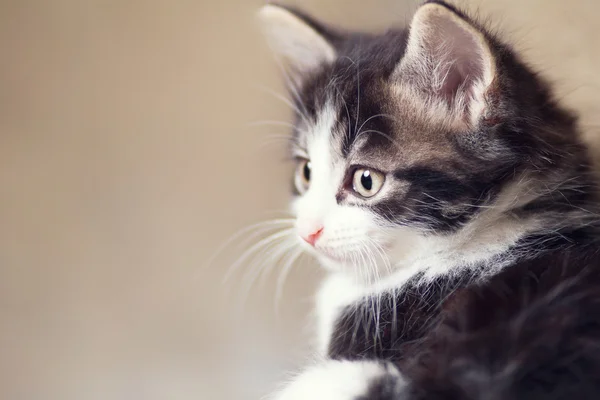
(337, 380)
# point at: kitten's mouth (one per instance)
(346, 258)
(330, 254)
(355, 257)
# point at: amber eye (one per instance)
(303, 172)
(367, 182)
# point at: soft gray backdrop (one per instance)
(127, 156)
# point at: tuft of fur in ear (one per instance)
(303, 44)
(449, 60)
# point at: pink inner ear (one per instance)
(458, 58)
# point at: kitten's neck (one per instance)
(483, 244)
(494, 239)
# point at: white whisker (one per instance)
(358, 132)
(283, 99)
(357, 95)
(259, 267)
(276, 139)
(256, 247)
(259, 227)
(284, 273)
(291, 86)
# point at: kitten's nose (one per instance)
(313, 237)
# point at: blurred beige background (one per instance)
(128, 155)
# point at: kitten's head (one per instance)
(415, 141)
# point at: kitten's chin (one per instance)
(333, 263)
(362, 273)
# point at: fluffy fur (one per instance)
(473, 271)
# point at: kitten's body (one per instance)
(473, 270)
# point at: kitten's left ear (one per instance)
(449, 59)
(303, 44)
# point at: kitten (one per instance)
(453, 203)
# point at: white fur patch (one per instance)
(337, 380)
(336, 292)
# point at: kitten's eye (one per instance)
(303, 176)
(367, 182)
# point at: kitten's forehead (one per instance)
(354, 79)
(370, 121)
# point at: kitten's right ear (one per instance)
(302, 43)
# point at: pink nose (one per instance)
(313, 237)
